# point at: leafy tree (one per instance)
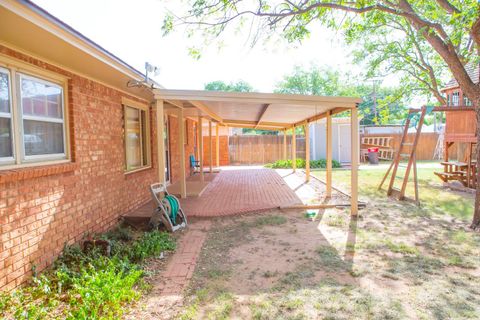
(239, 86)
(389, 102)
(451, 28)
(393, 46)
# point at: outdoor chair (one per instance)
(168, 210)
(194, 165)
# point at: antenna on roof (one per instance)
(151, 68)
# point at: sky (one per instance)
(132, 31)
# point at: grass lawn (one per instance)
(396, 261)
(434, 198)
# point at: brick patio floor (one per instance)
(241, 191)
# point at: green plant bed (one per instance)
(314, 164)
(89, 285)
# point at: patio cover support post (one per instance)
(307, 152)
(217, 146)
(355, 156)
(285, 144)
(329, 154)
(160, 141)
(294, 150)
(181, 151)
(211, 145)
(200, 146)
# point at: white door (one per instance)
(344, 143)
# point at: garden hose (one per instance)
(174, 205)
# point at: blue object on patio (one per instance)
(194, 165)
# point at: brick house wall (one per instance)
(44, 208)
(174, 152)
(224, 155)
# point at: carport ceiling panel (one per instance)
(236, 111)
(291, 113)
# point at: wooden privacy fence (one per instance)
(426, 144)
(262, 149)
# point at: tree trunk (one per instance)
(476, 213)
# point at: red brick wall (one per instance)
(224, 156)
(44, 208)
(174, 152)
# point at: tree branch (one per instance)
(447, 6)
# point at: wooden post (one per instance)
(211, 145)
(217, 146)
(160, 142)
(307, 152)
(354, 155)
(329, 155)
(294, 150)
(181, 151)
(200, 146)
(284, 144)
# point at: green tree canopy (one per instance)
(323, 81)
(238, 86)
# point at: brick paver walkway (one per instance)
(166, 297)
(180, 269)
(241, 191)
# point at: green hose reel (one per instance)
(172, 205)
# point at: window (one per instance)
(467, 102)
(6, 138)
(32, 119)
(137, 138)
(455, 98)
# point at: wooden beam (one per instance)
(262, 113)
(217, 146)
(160, 141)
(204, 108)
(307, 152)
(181, 151)
(323, 115)
(200, 146)
(284, 144)
(234, 125)
(294, 150)
(320, 206)
(211, 146)
(254, 123)
(354, 162)
(255, 98)
(329, 155)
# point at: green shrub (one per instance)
(314, 164)
(88, 285)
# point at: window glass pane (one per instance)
(42, 137)
(144, 138)
(4, 92)
(41, 99)
(6, 149)
(133, 138)
(5, 138)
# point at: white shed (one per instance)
(341, 141)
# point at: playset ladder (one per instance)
(402, 153)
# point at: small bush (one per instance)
(314, 164)
(88, 285)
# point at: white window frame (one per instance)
(50, 156)
(17, 69)
(9, 160)
(456, 98)
(127, 103)
(466, 101)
